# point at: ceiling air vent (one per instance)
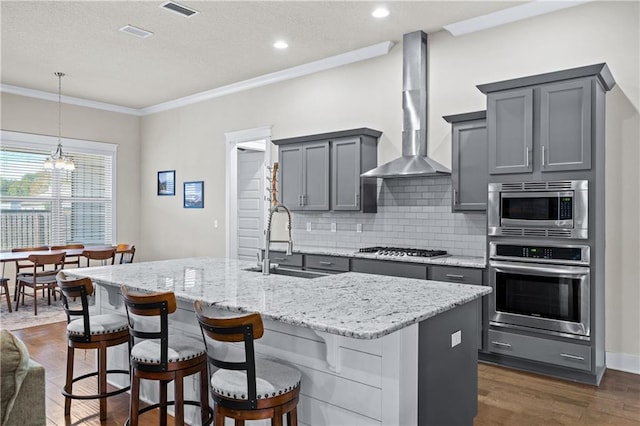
(178, 8)
(135, 31)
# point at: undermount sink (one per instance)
(291, 272)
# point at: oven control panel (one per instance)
(556, 253)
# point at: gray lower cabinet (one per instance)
(565, 354)
(304, 176)
(388, 267)
(280, 258)
(469, 163)
(326, 263)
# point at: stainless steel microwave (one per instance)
(557, 209)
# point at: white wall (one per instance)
(368, 94)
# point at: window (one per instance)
(50, 207)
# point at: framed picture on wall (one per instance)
(194, 195)
(167, 182)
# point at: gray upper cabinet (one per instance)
(565, 126)
(345, 174)
(510, 131)
(322, 172)
(543, 123)
(469, 166)
(304, 176)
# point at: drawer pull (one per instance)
(279, 259)
(322, 262)
(505, 345)
(455, 276)
(576, 357)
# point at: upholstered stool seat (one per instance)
(89, 332)
(158, 355)
(99, 324)
(180, 348)
(272, 379)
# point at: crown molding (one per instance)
(357, 55)
(362, 54)
(48, 96)
(512, 14)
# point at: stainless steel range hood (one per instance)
(414, 160)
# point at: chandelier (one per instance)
(58, 160)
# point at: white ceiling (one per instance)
(227, 42)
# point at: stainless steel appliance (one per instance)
(539, 209)
(541, 287)
(400, 251)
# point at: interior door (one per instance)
(250, 203)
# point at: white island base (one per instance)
(423, 374)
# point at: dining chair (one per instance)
(70, 260)
(254, 388)
(41, 277)
(102, 256)
(159, 355)
(22, 265)
(86, 331)
(127, 251)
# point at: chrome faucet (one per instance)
(266, 262)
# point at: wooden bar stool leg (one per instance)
(69, 382)
(163, 403)
(134, 405)
(178, 397)
(292, 417)
(219, 417)
(277, 417)
(238, 422)
(102, 379)
(204, 394)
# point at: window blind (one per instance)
(53, 207)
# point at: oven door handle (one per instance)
(565, 271)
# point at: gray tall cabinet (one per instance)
(544, 128)
(322, 172)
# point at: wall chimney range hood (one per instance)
(414, 161)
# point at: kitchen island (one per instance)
(372, 349)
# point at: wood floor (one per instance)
(505, 397)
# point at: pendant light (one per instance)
(58, 160)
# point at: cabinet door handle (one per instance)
(304, 199)
(543, 152)
(576, 357)
(456, 199)
(455, 276)
(322, 262)
(506, 345)
(528, 155)
(357, 199)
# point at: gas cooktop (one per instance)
(399, 251)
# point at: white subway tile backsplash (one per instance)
(412, 212)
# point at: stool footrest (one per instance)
(97, 396)
(209, 420)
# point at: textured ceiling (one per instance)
(227, 42)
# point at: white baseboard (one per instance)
(623, 362)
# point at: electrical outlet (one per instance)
(334, 227)
(359, 227)
(456, 338)
(215, 223)
(308, 226)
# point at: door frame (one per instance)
(232, 140)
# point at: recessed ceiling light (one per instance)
(380, 12)
(135, 31)
(280, 44)
(179, 9)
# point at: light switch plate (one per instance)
(334, 227)
(456, 338)
(308, 226)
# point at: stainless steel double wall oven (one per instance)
(539, 285)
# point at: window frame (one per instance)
(18, 140)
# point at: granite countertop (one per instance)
(351, 304)
(448, 260)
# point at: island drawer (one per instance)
(385, 267)
(329, 263)
(456, 274)
(566, 354)
(282, 259)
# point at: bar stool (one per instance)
(89, 332)
(253, 389)
(161, 356)
(4, 284)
